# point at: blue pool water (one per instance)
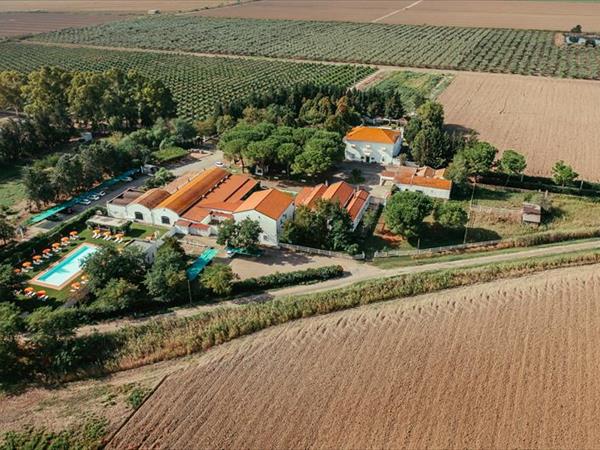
(68, 267)
(203, 260)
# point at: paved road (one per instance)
(357, 272)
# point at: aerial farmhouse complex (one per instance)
(369, 144)
(197, 203)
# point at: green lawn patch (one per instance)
(169, 154)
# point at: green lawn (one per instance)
(12, 190)
(568, 213)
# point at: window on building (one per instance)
(139, 216)
(165, 220)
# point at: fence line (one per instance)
(446, 248)
(318, 251)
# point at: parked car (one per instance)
(85, 201)
(94, 197)
(101, 193)
(219, 164)
(128, 179)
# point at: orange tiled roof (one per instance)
(357, 203)
(188, 195)
(309, 195)
(436, 183)
(271, 202)
(196, 214)
(340, 192)
(180, 181)
(151, 198)
(369, 134)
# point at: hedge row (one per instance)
(156, 341)
(278, 279)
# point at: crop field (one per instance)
(546, 119)
(524, 52)
(197, 83)
(522, 14)
(108, 5)
(19, 24)
(498, 365)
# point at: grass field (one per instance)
(12, 190)
(197, 83)
(524, 52)
(492, 366)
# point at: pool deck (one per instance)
(69, 280)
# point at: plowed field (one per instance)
(522, 14)
(505, 365)
(18, 24)
(108, 5)
(546, 119)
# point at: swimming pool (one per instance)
(67, 269)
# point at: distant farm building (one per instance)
(426, 180)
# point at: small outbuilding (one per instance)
(532, 214)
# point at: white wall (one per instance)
(379, 153)
(132, 208)
(269, 235)
(158, 213)
(430, 192)
(117, 211)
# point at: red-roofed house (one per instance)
(354, 201)
(426, 180)
(271, 208)
(370, 144)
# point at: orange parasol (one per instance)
(64, 239)
(26, 264)
(41, 293)
(56, 245)
(46, 251)
(76, 285)
(17, 270)
(37, 257)
(28, 289)
(73, 233)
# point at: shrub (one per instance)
(136, 397)
(277, 279)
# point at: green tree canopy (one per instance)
(479, 157)
(450, 214)
(110, 263)
(563, 174)
(166, 278)
(512, 162)
(10, 324)
(218, 278)
(405, 211)
(117, 295)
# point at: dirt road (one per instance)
(357, 272)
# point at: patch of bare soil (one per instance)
(500, 365)
(108, 5)
(546, 119)
(521, 14)
(26, 23)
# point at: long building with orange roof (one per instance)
(373, 144)
(355, 201)
(429, 181)
(197, 203)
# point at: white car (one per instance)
(94, 197)
(219, 164)
(85, 201)
(101, 193)
(128, 179)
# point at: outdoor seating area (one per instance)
(106, 235)
(40, 261)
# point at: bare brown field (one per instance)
(522, 14)
(18, 24)
(108, 5)
(546, 119)
(502, 365)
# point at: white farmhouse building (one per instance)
(426, 180)
(271, 208)
(370, 144)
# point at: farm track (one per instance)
(498, 365)
(358, 273)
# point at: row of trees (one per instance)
(51, 101)
(60, 176)
(301, 151)
(331, 107)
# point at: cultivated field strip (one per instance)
(526, 52)
(496, 365)
(546, 119)
(197, 83)
(522, 14)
